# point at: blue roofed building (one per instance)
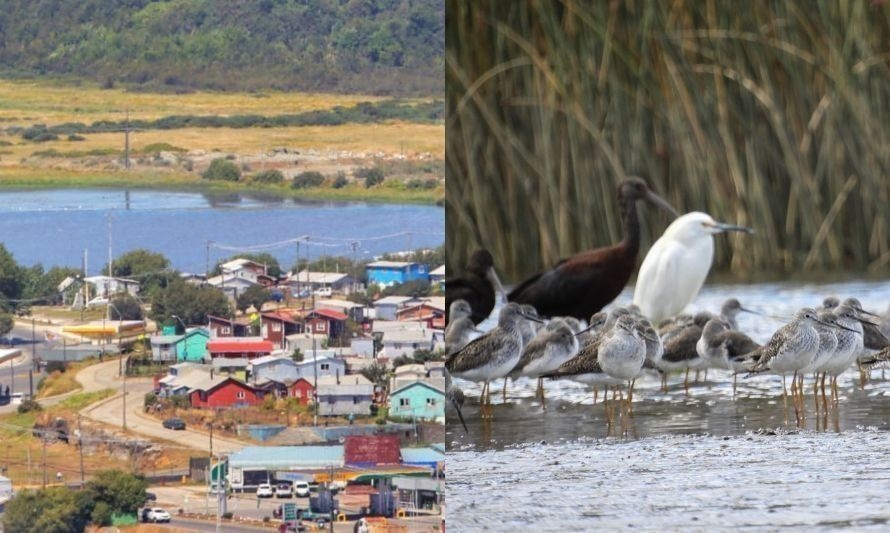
(386, 273)
(418, 400)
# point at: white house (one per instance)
(104, 287)
(406, 342)
(344, 395)
(387, 307)
(303, 283)
(232, 284)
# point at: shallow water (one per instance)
(668, 466)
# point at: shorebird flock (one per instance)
(613, 349)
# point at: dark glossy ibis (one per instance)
(585, 283)
(478, 287)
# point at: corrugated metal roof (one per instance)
(288, 457)
(390, 264)
(394, 300)
(439, 271)
(317, 277)
(421, 456)
(329, 313)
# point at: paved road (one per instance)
(20, 337)
(111, 411)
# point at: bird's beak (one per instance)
(721, 227)
(477, 330)
(585, 330)
(461, 417)
(744, 310)
(658, 201)
(837, 326)
(870, 323)
(864, 312)
(648, 337)
(493, 278)
(532, 318)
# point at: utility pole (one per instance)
(354, 245)
(110, 266)
(207, 260)
(211, 440)
(127, 141)
(124, 400)
(33, 345)
(80, 445)
(315, 369)
(43, 439)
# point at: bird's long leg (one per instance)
(664, 382)
(541, 390)
(733, 385)
(505, 390)
(630, 396)
(686, 381)
(595, 393)
(696, 375)
(816, 393)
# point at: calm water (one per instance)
(709, 459)
(53, 227)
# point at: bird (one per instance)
(849, 346)
(721, 346)
(676, 266)
(730, 310)
(790, 349)
(827, 347)
(622, 352)
(460, 328)
(555, 344)
(492, 355)
(478, 287)
(680, 349)
(585, 283)
(456, 397)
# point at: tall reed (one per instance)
(770, 114)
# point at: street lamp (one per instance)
(185, 347)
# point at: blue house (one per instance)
(193, 345)
(387, 273)
(418, 400)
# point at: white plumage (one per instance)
(676, 266)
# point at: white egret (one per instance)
(677, 264)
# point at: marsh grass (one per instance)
(775, 115)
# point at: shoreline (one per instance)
(47, 179)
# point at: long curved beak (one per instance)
(732, 227)
(493, 278)
(658, 201)
(585, 330)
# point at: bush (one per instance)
(150, 399)
(46, 136)
(307, 179)
(341, 180)
(430, 184)
(101, 515)
(29, 405)
(269, 176)
(222, 169)
(75, 137)
(372, 176)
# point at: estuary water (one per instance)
(716, 457)
(53, 227)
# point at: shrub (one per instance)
(150, 399)
(227, 515)
(29, 405)
(372, 176)
(269, 176)
(222, 169)
(307, 179)
(341, 180)
(430, 184)
(45, 136)
(75, 137)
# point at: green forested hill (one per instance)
(363, 46)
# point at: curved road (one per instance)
(111, 410)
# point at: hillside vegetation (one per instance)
(385, 47)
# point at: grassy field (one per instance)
(56, 102)
(62, 382)
(20, 177)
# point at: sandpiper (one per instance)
(460, 328)
(849, 345)
(555, 344)
(679, 349)
(722, 346)
(623, 352)
(492, 355)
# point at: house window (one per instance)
(325, 366)
(404, 402)
(355, 400)
(225, 330)
(321, 326)
(331, 399)
(276, 326)
(431, 402)
(240, 395)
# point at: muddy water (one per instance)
(714, 457)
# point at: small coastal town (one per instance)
(261, 398)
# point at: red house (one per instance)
(277, 326)
(223, 327)
(326, 322)
(239, 347)
(302, 390)
(222, 392)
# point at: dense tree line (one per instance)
(366, 46)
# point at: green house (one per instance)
(193, 346)
(418, 400)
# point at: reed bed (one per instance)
(774, 115)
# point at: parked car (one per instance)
(157, 515)
(324, 291)
(301, 489)
(284, 490)
(174, 423)
(264, 490)
(151, 497)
